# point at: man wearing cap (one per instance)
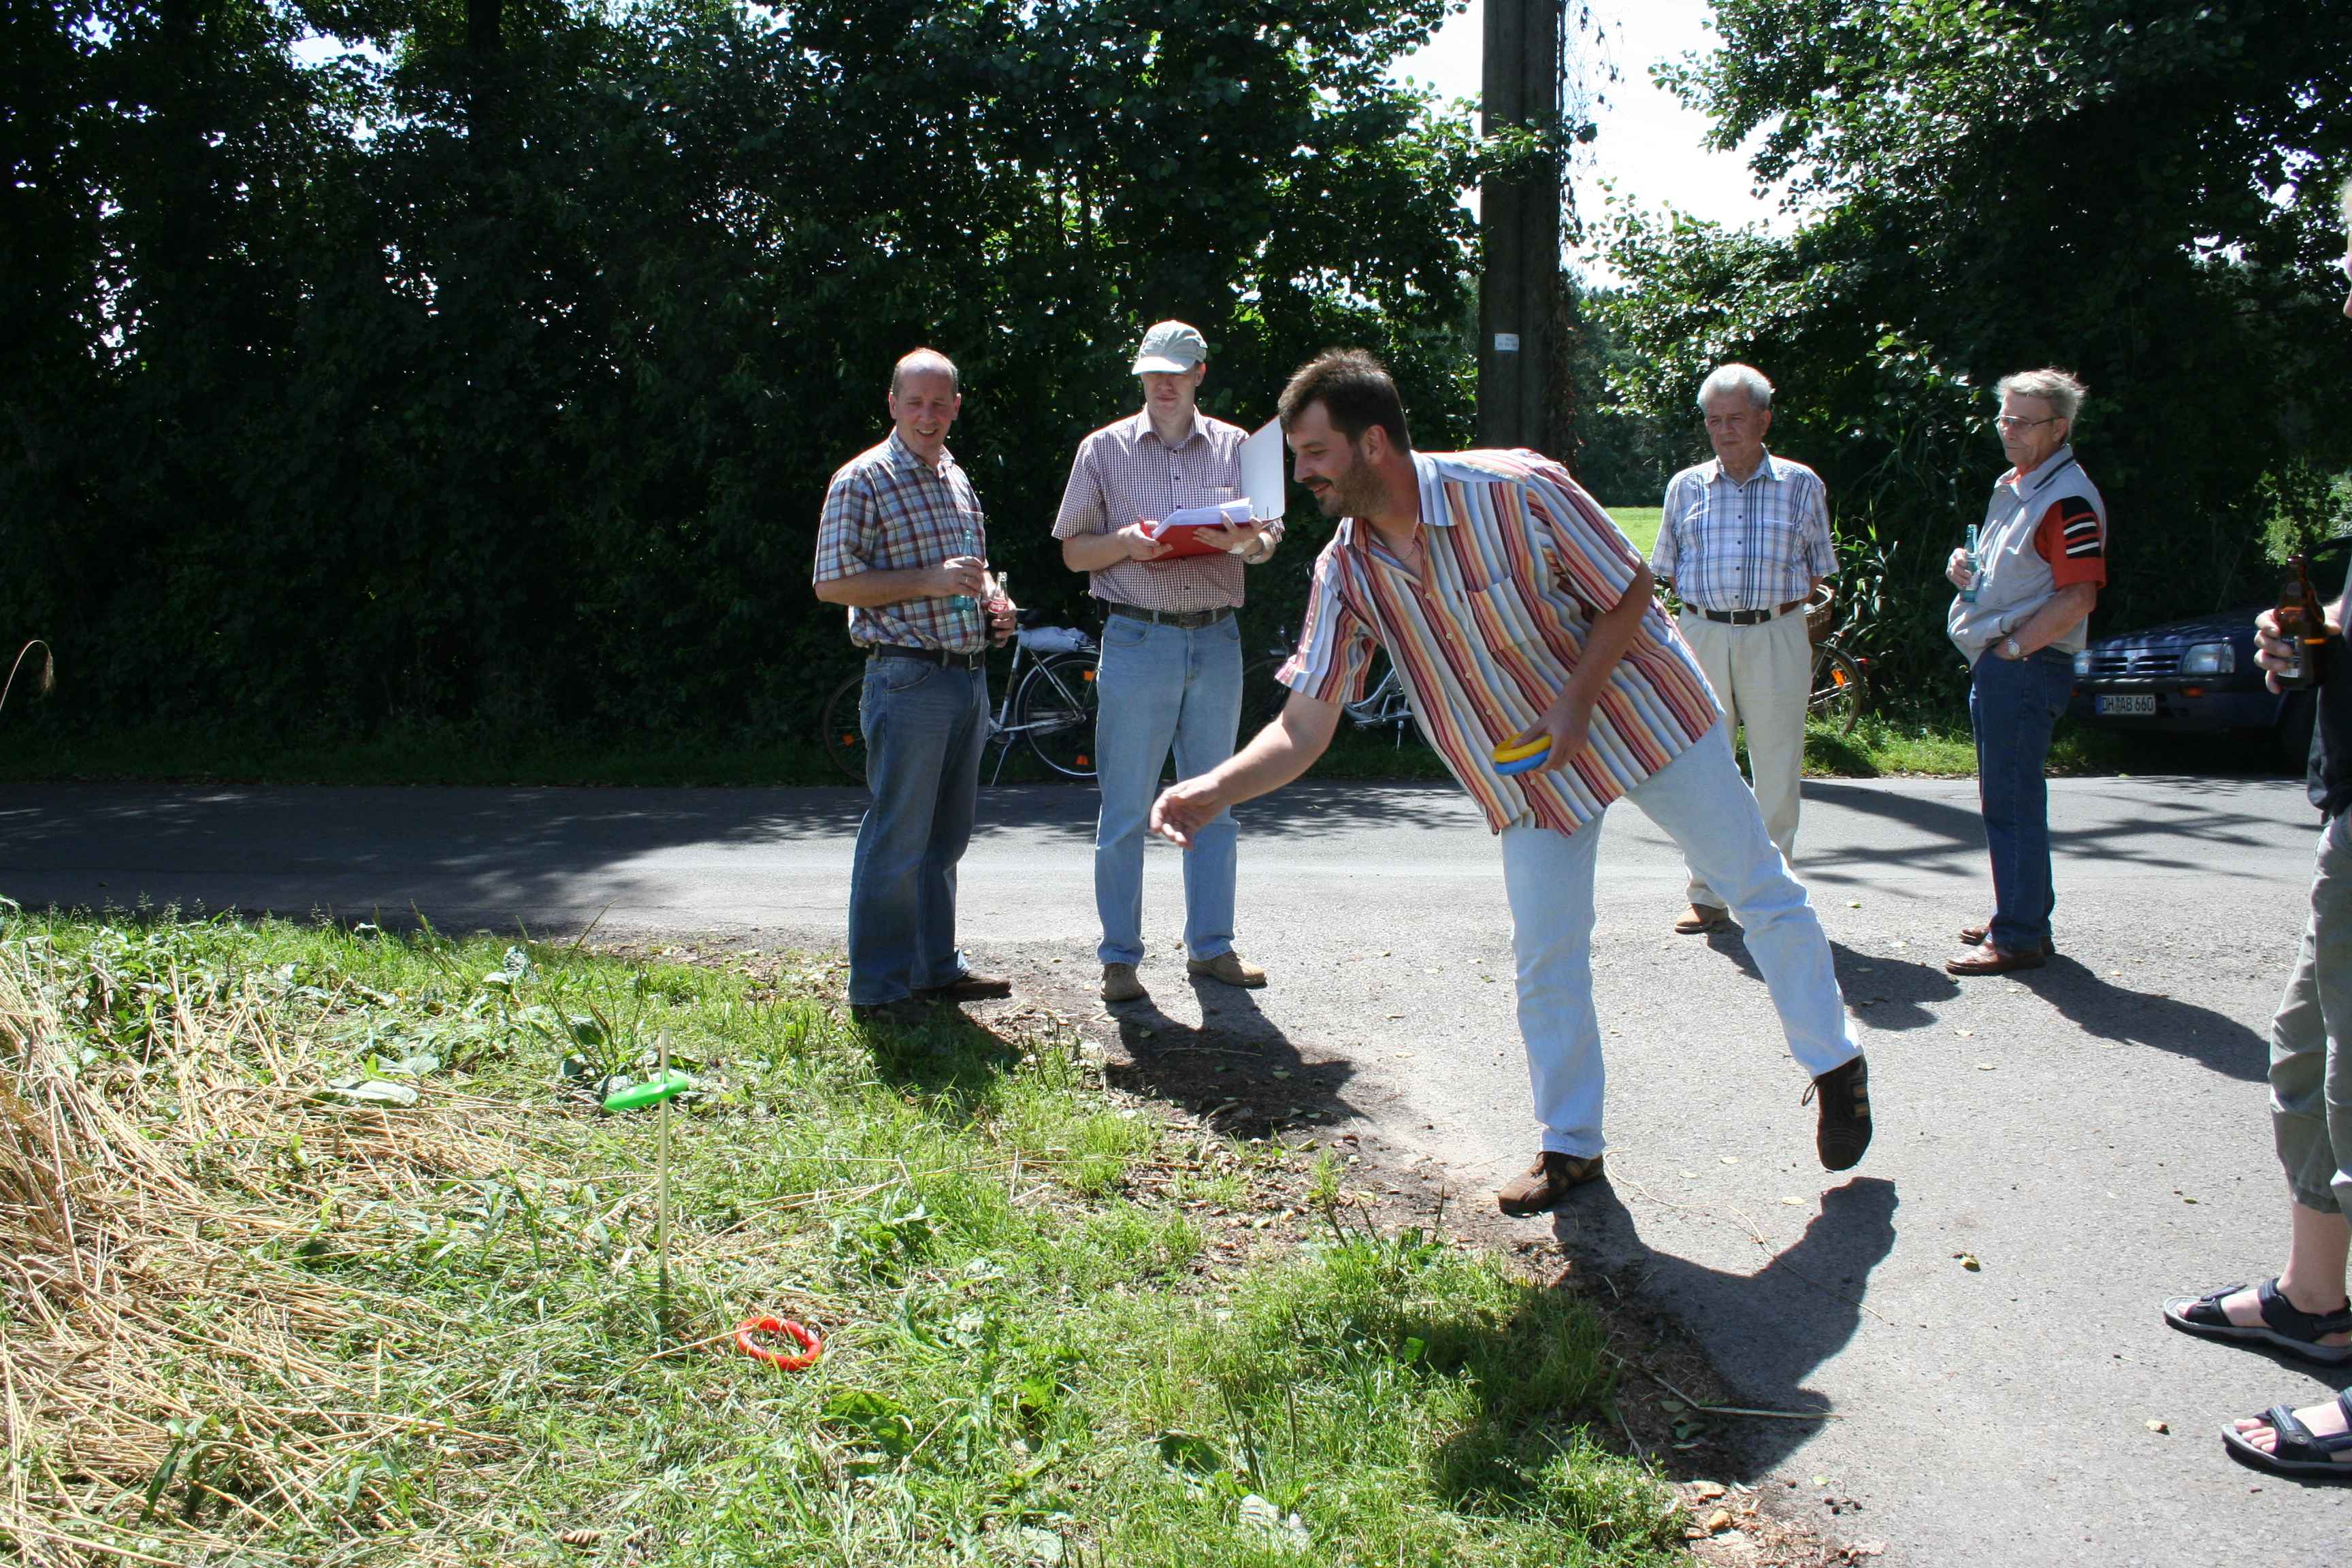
(1745, 539)
(1171, 660)
(903, 544)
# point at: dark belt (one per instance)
(1746, 618)
(1189, 619)
(938, 656)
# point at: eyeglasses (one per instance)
(2005, 422)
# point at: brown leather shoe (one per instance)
(1548, 1183)
(969, 986)
(1231, 968)
(1121, 983)
(1991, 960)
(1975, 935)
(1703, 918)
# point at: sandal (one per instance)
(2284, 1326)
(2299, 1451)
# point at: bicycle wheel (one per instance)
(1840, 691)
(1056, 710)
(844, 732)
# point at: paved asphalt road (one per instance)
(2094, 1134)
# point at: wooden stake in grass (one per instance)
(656, 1091)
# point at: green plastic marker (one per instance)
(658, 1091)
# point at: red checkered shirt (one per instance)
(1124, 474)
(888, 511)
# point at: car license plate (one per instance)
(2142, 703)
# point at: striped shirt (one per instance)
(1755, 546)
(888, 511)
(1124, 474)
(1516, 561)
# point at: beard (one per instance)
(1351, 494)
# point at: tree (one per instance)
(495, 377)
(2138, 190)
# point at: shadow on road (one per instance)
(487, 856)
(1890, 994)
(1765, 1332)
(2149, 1018)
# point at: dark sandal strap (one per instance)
(2207, 1308)
(2287, 1319)
(2297, 1444)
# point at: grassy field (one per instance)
(322, 1252)
(1640, 523)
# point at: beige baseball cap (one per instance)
(1169, 348)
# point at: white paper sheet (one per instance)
(1262, 477)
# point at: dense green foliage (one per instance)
(493, 372)
(2142, 190)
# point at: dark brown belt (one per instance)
(1746, 618)
(1191, 620)
(939, 656)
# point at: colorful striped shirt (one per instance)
(888, 511)
(1124, 474)
(1755, 546)
(1515, 561)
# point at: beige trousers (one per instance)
(1763, 675)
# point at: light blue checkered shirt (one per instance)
(1756, 546)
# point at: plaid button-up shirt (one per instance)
(1757, 546)
(1123, 473)
(888, 511)
(1516, 561)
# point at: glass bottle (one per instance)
(1968, 593)
(2303, 623)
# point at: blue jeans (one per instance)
(924, 730)
(2012, 703)
(1161, 684)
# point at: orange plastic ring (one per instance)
(810, 1346)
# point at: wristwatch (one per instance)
(2010, 650)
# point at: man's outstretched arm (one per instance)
(1284, 749)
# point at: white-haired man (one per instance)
(1172, 659)
(1745, 539)
(903, 544)
(2042, 559)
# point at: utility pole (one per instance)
(1519, 221)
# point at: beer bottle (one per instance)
(2303, 622)
(1968, 593)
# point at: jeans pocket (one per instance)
(890, 677)
(1124, 632)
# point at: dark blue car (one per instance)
(2199, 676)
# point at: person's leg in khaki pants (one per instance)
(1763, 675)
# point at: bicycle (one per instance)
(1051, 706)
(1383, 704)
(1841, 687)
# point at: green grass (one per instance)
(1640, 523)
(428, 1334)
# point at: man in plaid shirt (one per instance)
(1745, 539)
(904, 544)
(1172, 659)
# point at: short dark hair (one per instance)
(1355, 390)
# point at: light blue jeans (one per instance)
(924, 730)
(1707, 809)
(1160, 686)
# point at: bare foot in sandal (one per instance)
(2315, 1441)
(2245, 1309)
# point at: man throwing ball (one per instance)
(1516, 613)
